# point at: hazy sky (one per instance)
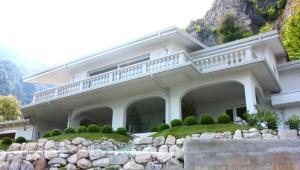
(56, 31)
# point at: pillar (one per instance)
(118, 117)
(174, 105)
(250, 96)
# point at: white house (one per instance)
(159, 77)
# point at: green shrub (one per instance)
(6, 141)
(93, 128)
(69, 130)
(82, 129)
(206, 119)
(121, 131)
(56, 132)
(47, 134)
(176, 122)
(20, 139)
(107, 129)
(190, 120)
(163, 126)
(154, 129)
(293, 122)
(263, 117)
(223, 118)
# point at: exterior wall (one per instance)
(41, 126)
(26, 131)
(290, 80)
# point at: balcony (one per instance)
(203, 65)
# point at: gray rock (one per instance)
(78, 140)
(26, 165)
(118, 159)
(142, 141)
(71, 167)
(287, 134)
(174, 164)
(40, 164)
(170, 140)
(73, 159)
(163, 148)
(96, 154)
(49, 144)
(33, 157)
(87, 143)
(177, 151)
(103, 162)
(59, 161)
(41, 142)
(269, 136)
(4, 165)
(227, 135)
(16, 162)
(3, 156)
(163, 157)
(70, 149)
(238, 134)
(143, 158)
(253, 135)
(153, 165)
(252, 130)
(14, 147)
(84, 163)
(50, 154)
(180, 141)
(82, 154)
(207, 136)
(64, 155)
(157, 141)
(149, 149)
(31, 146)
(132, 165)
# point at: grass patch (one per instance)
(3, 147)
(183, 131)
(91, 136)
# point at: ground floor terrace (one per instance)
(143, 105)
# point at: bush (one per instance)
(223, 118)
(293, 122)
(93, 128)
(47, 134)
(163, 126)
(207, 119)
(121, 131)
(56, 132)
(81, 129)
(261, 118)
(20, 139)
(190, 120)
(6, 141)
(69, 130)
(107, 129)
(176, 122)
(154, 129)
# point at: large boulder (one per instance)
(143, 158)
(132, 165)
(177, 151)
(252, 135)
(50, 154)
(31, 146)
(142, 141)
(41, 142)
(49, 144)
(163, 148)
(174, 164)
(238, 134)
(40, 164)
(71, 167)
(16, 162)
(269, 136)
(57, 161)
(84, 163)
(26, 165)
(70, 149)
(153, 165)
(163, 157)
(170, 140)
(15, 147)
(4, 165)
(103, 162)
(149, 149)
(73, 159)
(96, 154)
(119, 159)
(180, 141)
(82, 154)
(207, 136)
(78, 140)
(157, 141)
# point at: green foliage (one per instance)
(266, 28)
(47, 134)
(9, 108)
(190, 120)
(291, 36)
(121, 131)
(69, 130)
(163, 126)
(247, 34)
(56, 132)
(176, 122)
(229, 30)
(93, 128)
(293, 122)
(154, 129)
(82, 129)
(223, 118)
(197, 28)
(6, 141)
(107, 129)
(20, 139)
(269, 118)
(206, 119)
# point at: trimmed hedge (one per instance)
(223, 118)
(121, 131)
(293, 122)
(154, 129)
(93, 128)
(107, 129)
(6, 141)
(190, 120)
(20, 139)
(82, 129)
(69, 130)
(176, 122)
(47, 134)
(206, 119)
(163, 126)
(56, 132)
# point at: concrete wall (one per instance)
(242, 154)
(26, 131)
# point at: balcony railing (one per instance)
(112, 77)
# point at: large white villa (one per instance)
(164, 76)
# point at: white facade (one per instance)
(148, 80)
(17, 128)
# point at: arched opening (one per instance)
(100, 116)
(144, 114)
(226, 97)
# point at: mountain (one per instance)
(251, 15)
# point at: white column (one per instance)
(118, 117)
(175, 105)
(250, 96)
(69, 119)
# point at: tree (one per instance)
(9, 108)
(229, 29)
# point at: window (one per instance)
(103, 70)
(237, 111)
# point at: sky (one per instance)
(55, 31)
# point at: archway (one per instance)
(144, 114)
(100, 116)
